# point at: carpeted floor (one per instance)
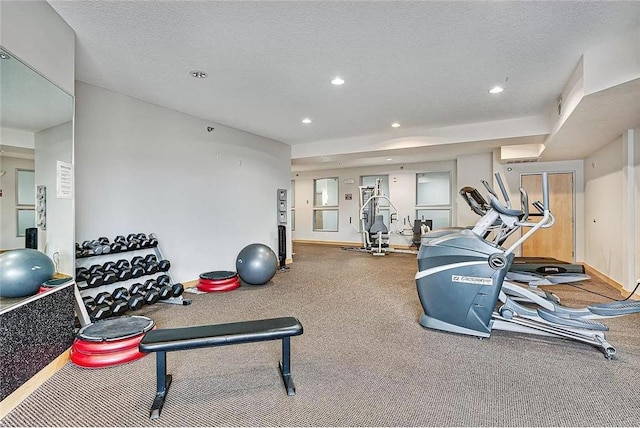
(363, 361)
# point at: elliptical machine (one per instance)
(460, 281)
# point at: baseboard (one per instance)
(332, 243)
(613, 283)
(20, 394)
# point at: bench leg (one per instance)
(285, 366)
(162, 385)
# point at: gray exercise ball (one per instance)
(256, 264)
(23, 271)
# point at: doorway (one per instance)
(558, 241)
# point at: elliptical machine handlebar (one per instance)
(543, 223)
(503, 189)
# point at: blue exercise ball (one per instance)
(23, 271)
(256, 264)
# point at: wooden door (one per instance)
(558, 240)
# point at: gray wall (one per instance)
(145, 168)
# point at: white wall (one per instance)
(8, 217)
(16, 138)
(402, 193)
(145, 168)
(53, 145)
(472, 169)
(605, 217)
(37, 35)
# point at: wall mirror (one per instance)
(36, 134)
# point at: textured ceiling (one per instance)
(422, 63)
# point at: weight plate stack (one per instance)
(217, 281)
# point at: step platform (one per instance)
(544, 266)
(110, 342)
(615, 309)
(218, 281)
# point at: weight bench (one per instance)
(162, 341)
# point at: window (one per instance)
(325, 204)
(25, 200)
(293, 204)
(433, 198)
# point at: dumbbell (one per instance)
(114, 247)
(96, 311)
(81, 252)
(148, 296)
(134, 301)
(119, 268)
(125, 243)
(139, 238)
(176, 289)
(163, 265)
(107, 277)
(118, 307)
(95, 247)
(83, 275)
(149, 268)
(164, 291)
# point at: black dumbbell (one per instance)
(97, 247)
(116, 307)
(116, 247)
(81, 252)
(164, 291)
(95, 310)
(163, 280)
(164, 265)
(150, 258)
(91, 279)
(153, 242)
(103, 240)
(177, 289)
(108, 277)
(134, 301)
(125, 243)
(148, 296)
(122, 274)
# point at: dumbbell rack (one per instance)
(85, 259)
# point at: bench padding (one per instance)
(177, 339)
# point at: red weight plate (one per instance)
(217, 281)
(97, 361)
(215, 288)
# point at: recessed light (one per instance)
(337, 81)
(395, 125)
(389, 159)
(306, 120)
(198, 74)
(496, 90)
(4, 56)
